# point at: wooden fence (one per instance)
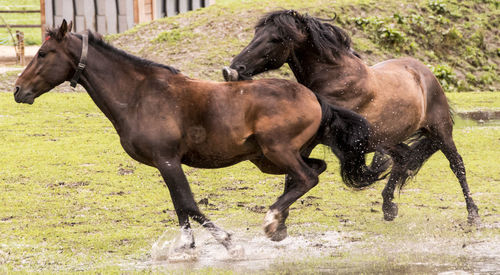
(17, 25)
(112, 16)
(19, 39)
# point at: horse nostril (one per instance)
(17, 90)
(241, 68)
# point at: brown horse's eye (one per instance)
(42, 54)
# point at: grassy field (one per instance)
(71, 199)
(33, 36)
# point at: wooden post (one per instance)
(20, 47)
(136, 11)
(42, 18)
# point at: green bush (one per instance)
(390, 35)
(438, 7)
(446, 77)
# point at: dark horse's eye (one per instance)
(276, 40)
(42, 54)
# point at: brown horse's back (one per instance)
(231, 121)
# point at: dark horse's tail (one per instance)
(347, 134)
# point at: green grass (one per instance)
(33, 36)
(474, 101)
(71, 199)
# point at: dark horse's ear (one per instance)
(63, 29)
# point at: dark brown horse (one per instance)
(401, 98)
(165, 119)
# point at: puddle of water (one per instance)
(464, 121)
(335, 252)
(260, 252)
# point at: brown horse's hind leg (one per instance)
(185, 207)
(302, 177)
(319, 167)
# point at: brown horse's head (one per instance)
(51, 66)
(276, 34)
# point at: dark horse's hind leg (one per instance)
(380, 162)
(185, 207)
(407, 160)
(295, 186)
(449, 149)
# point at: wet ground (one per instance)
(337, 252)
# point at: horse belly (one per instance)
(220, 153)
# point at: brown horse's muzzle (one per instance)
(23, 96)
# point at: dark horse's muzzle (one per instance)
(231, 74)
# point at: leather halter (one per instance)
(83, 60)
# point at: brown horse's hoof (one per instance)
(182, 254)
(474, 219)
(274, 226)
(236, 251)
(280, 234)
(390, 211)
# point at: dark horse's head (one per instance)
(279, 35)
(51, 66)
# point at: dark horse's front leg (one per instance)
(186, 207)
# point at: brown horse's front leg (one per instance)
(185, 207)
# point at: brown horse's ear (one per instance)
(63, 29)
(70, 26)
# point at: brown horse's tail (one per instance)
(347, 134)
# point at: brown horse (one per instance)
(165, 119)
(401, 98)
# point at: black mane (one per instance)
(331, 41)
(97, 41)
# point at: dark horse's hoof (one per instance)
(390, 211)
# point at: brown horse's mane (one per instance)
(331, 41)
(97, 41)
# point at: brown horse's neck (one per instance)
(343, 84)
(112, 82)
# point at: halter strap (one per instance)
(83, 60)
